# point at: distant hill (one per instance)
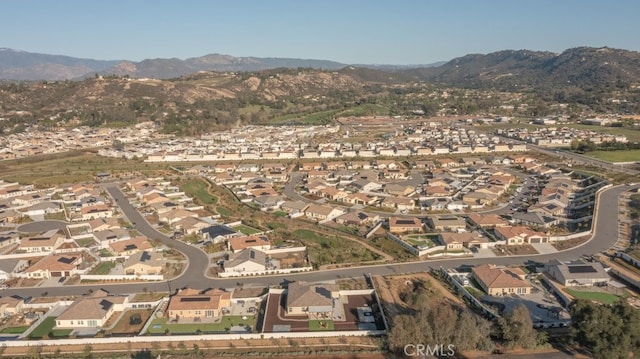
(172, 68)
(22, 65)
(522, 70)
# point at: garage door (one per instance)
(536, 240)
(56, 274)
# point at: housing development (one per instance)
(295, 232)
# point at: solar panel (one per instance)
(145, 257)
(67, 260)
(195, 299)
(404, 221)
(582, 269)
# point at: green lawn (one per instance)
(86, 242)
(320, 325)
(159, 325)
(14, 330)
(616, 156)
(601, 297)
(223, 211)
(103, 268)
(198, 188)
(45, 329)
(246, 230)
(332, 249)
(280, 214)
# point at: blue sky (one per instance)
(348, 31)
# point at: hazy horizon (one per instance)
(353, 32)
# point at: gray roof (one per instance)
(302, 294)
(246, 255)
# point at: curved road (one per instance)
(605, 236)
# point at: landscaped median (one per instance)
(161, 326)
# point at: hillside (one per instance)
(523, 70)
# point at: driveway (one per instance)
(544, 248)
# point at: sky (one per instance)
(347, 31)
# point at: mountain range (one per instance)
(22, 65)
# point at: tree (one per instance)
(608, 331)
(87, 352)
(516, 328)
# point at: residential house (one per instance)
(246, 261)
(322, 212)
(9, 240)
(92, 212)
(11, 305)
(486, 221)
(401, 203)
(10, 266)
(131, 246)
(447, 223)
(405, 225)
(435, 204)
(294, 207)
(577, 273)
(144, 263)
(218, 233)
(190, 225)
(316, 301)
(102, 224)
(357, 218)
(175, 215)
(236, 244)
(519, 235)
(106, 237)
(501, 281)
(91, 312)
(56, 265)
(45, 242)
(193, 304)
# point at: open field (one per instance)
(616, 156)
(632, 135)
(324, 249)
(197, 188)
(69, 167)
(601, 297)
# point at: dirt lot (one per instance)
(124, 327)
(345, 348)
(390, 287)
(570, 243)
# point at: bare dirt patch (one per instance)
(390, 288)
(570, 243)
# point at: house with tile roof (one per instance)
(501, 281)
(56, 265)
(236, 244)
(195, 305)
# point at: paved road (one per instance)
(605, 227)
(42, 226)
